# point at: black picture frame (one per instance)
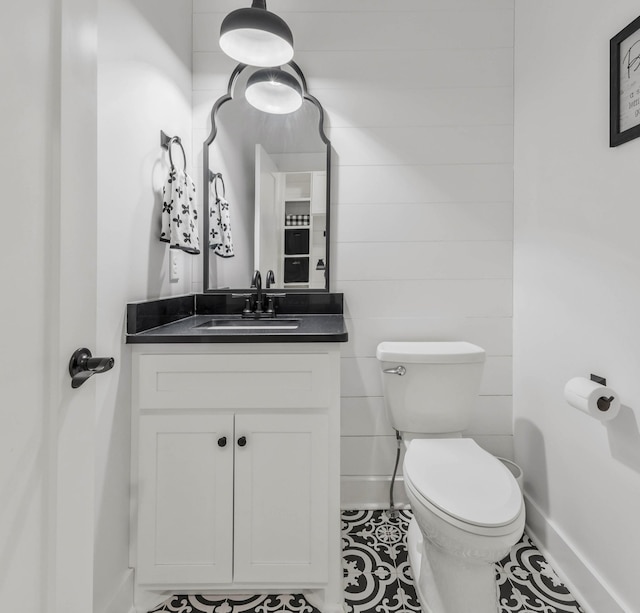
(624, 101)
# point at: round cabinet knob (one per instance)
(222, 441)
(242, 441)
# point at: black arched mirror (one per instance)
(268, 176)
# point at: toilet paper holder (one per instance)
(603, 403)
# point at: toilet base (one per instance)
(449, 584)
(423, 578)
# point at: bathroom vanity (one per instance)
(236, 392)
(235, 462)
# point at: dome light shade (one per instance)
(273, 90)
(256, 37)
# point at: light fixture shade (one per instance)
(273, 90)
(256, 37)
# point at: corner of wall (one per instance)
(594, 595)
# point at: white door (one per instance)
(281, 498)
(48, 159)
(185, 499)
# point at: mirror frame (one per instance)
(206, 180)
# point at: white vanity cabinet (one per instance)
(185, 499)
(236, 468)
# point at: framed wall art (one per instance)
(625, 85)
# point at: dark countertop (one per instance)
(312, 328)
(319, 318)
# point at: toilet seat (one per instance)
(463, 484)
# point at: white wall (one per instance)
(577, 297)
(418, 95)
(144, 86)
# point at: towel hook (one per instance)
(166, 142)
(213, 177)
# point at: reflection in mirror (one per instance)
(274, 173)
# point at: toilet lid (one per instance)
(464, 481)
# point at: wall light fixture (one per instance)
(273, 90)
(256, 36)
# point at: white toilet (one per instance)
(467, 505)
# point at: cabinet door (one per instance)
(185, 498)
(281, 502)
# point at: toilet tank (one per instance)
(438, 390)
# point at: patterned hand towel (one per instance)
(220, 239)
(179, 213)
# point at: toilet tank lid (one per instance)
(430, 352)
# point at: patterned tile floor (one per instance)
(377, 577)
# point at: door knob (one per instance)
(83, 365)
(222, 441)
(242, 441)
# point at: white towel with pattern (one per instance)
(220, 239)
(179, 212)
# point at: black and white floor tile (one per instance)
(375, 563)
(377, 577)
(282, 603)
(528, 583)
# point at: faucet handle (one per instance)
(270, 310)
(247, 311)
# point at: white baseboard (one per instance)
(371, 493)
(583, 581)
(122, 600)
(146, 600)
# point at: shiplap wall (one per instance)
(419, 103)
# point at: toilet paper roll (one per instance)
(592, 398)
